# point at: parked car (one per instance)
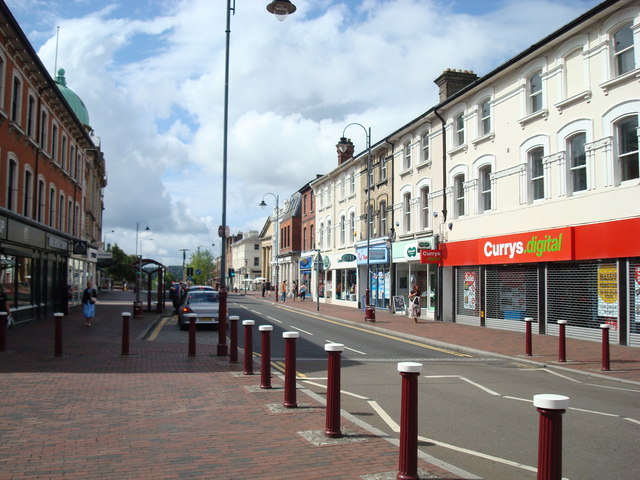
(194, 288)
(204, 303)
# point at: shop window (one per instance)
(624, 60)
(577, 163)
(627, 145)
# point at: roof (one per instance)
(74, 101)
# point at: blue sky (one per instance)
(151, 73)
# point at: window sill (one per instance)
(405, 172)
(422, 165)
(458, 149)
(485, 138)
(614, 82)
(582, 96)
(543, 113)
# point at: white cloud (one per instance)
(153, 82)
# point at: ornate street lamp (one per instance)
(138, 306)
(276, 231)
(280, 8)
(369, 310)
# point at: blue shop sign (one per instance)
(306, 264)
(376, 255)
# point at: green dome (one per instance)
(74, 101)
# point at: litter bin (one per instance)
(370, 313)
(137, 309)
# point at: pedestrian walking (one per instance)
(89, 299)
(414, 303)
(294, 290)
(264, 288)
(4, 306)
(303, 292)
(283, 291)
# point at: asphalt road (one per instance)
(475, 413)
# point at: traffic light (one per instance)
(232, 272)
(189, 271)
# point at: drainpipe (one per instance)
(439, 300)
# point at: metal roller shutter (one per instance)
(572, 295)
(634, 302)
(512, 295)
(468, 295)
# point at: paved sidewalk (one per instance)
(582, 355)
(157, 414)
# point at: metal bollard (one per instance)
(290, 369)
(408, 459)
(265, 356)
(606, 365)
(233, 335)
(562, 341)
(3, 331)
(527, 348)
(58, 334)
(192, 334)
(332, 424)
(248, 346)
(551, 408)
(125, 333)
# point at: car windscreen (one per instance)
(203, 297)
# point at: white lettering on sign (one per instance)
(503, 249)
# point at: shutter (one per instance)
(572, 295)
(512, 295)
(468, 295)
(634, 302)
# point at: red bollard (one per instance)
(527, 350)
(248, 346)
(551, 408)
(233, 335)
(606, 365)
(192, 334)
(3, 331)
(332, 425)
(265, 356)
(125, 333)
(562, 341)
(58, 335)
(408, 460)
(290, 369)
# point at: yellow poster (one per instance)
(608, 290)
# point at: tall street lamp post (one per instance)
(276, 232)
(280, 8)
(184, 260)
(139, 258)
(369, 310)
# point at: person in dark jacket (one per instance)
(89, 297)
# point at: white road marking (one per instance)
(301, 330)
(274, 319)
(384, 416)
(344, 392)
(470, 382)
(347, 348)
(256, 312)
(614, 388)
(633, 420)
(479, 454)
(594, 412)
(527, 400)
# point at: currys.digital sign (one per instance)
(541, 246)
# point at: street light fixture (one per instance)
(369, 311)
(139, 258)
(280, 8)
(276, 230)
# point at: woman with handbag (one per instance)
(414, 302)
(89, 299)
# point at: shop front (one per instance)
(587, 275)
(379, 272)
(410, 271)
(340, 280)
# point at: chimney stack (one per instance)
(452, 81)
(345, 150)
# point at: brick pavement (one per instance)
(157, 414)
(583, 356)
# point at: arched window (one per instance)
(352, 227)
(458, 194)
(577, 162)
(52, 207)
(536, 173)
(406, 203)
(459, 130)
(383, 218)
(623, 50)
(407, 156)
(321, 236)
(343, 230)
(484, 110)
(27, 194)
(424, 208)
(534, 88)
(12, 184)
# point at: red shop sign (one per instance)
(430, 256)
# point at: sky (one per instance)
(151, 73)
